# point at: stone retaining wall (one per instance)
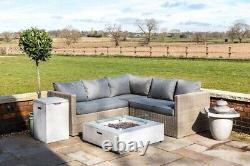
(14, 110)
(241, 124)
(240, 102)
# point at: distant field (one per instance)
(18, 73)
(89, 41)
(93, 46)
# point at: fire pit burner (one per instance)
(122, 125)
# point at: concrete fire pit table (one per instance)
(124, 129)
(221, 120)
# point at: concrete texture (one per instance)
(194, 150)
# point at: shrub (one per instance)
(2, 51)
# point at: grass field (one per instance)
(18, 73)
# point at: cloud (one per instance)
(127, 20)
(127, 10)
(90, 20)
(240, 21)
(172, 4)
(182, 4)
(186, 15)
(147, 13)
(57, 17)
(195, 23)
(197, 6)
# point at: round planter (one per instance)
(220, 128)
(221, 124)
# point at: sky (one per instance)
(186, 15)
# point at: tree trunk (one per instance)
(149, 37)
(116, 42)
(38, 80)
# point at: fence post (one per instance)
(107, 50)
(95, 50)
(84, 51)
(7, 50)
(186, 51)
(206, 51)
(120, 50)
(135, 51)
(167, 50)
(229, 52)
(150, 50)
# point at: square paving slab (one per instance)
(23, 150)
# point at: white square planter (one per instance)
(51, 119)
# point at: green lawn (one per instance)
(18, 73)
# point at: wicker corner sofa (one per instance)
(149, 98)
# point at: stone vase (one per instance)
(220, 128)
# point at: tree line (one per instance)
(148, 30)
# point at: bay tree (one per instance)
(37, 44)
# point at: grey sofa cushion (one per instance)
(128, 97)
(119, 85)
(97, 89)
(154, 105)
(163, 89)
(75, 88)
(139, 85)
(99, 105)
(185, 86)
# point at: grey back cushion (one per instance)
(186, 86)
(140, 85)
(163, 89)
(97, 89)
(75, 88)
(119, 85)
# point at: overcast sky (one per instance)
(186, 15)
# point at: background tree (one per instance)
(37, 44)
(125, 36)
(238, 31)
(232, 34)
(7, 36)
(70, 34)
(147, 27)
(199, 37)
(114, 31)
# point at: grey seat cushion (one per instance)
(154, 105)
(97, 89)
(75, 88)
(186, 86)
(139, 85)
(129, 97)
(119, 85)
(99, 105)
(163, 89)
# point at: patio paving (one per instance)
(194, 150)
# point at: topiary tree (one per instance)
(37, 44)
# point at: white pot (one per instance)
(221, 124)
(220, 128)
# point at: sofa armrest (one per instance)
(72, 109)
(187, 102)
(189, 112)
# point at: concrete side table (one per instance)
(221, 124)
(51, 119)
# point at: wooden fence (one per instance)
(240, 51)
